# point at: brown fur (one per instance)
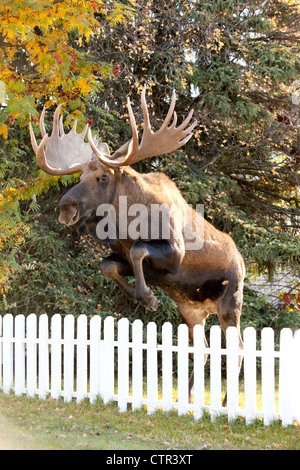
(202, 282)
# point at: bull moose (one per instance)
(201, 281)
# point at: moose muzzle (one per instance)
(69, 214)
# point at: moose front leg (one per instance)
(161, 256)
(114, 267)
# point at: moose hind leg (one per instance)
(195, 313)
(229, 313)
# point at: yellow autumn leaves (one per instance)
(44, 60)
(37, 59)
(4, 130)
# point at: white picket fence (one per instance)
(77, 358)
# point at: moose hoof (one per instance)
(149, 301)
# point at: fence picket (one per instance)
(268, 381)
(215, 371)
(295, 375)
(56, 372)
(199, 361)
(95, 328)
(1, 350)
(232, 372)
(25, 360)
(107, 367)
(81, 377)
(285, 385)
(31, 363)
(152, 386)
(19, 354)
(137, 364)
(250, 374)
(167, 366)
(123, 364)
(183, 370)
(8, 357)
(68, 357)
(43, 357)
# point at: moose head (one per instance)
(64, 154)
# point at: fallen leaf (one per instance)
(75, 426)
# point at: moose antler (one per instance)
(165, 140)
(64, 154)
(61, 154)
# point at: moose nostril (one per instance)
(74, 218)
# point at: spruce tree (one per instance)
(235, 63)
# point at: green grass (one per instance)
(53, 424)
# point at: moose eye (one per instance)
(103, 178)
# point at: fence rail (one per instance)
(73, 358)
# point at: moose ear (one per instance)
(103, 149)
(122, 152)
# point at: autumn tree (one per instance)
(43, 61)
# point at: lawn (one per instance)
(54, 424)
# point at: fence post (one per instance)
(43, 356)
(268, 381)
(81, 378)
(95, 328)
(215, 371)
(232, 344)
(123, 363)
(31, 363)
(19, 354)
(152, 387)
(68, 357)
(183, 370)
(250, 374)
(137, 364)
(199, 363)
(167, 366)
(56, 371)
